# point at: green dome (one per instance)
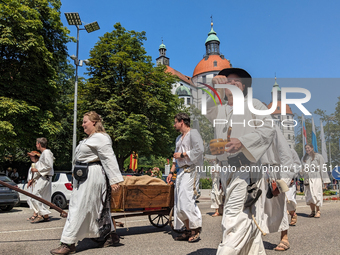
(212, 36)
(162, 46)
(183, 91)
(276, 86)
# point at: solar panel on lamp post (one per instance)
(74, 19)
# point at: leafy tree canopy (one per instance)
(133, 97)
(33, 57)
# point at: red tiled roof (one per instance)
(183, 77)
(278, 111)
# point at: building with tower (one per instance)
(188, 88)
(285, 122)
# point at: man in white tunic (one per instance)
(246, 147)
(280, 168)
(43, 173)
(188, 155)
(291, 194)
(216, 191)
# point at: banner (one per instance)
(323, 143)
(304, 134)
(314, 141)
(133, 161)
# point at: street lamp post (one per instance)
(74, 19)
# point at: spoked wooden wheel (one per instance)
(159, 220)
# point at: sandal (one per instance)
(196, 236)
(312, 214)
(318, 214)
(215, 214)
(32, 217)
(184, 237)
(294, 220)
(40, 219)
(282, 246)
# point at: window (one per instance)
(188, 101)
(204, 79)
(288, 137)
(215, 63)
(278, 107)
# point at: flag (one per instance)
(304, 134)
(314, 141)
(323, 143)
(133, 161)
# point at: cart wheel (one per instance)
(171, 222)
(158, 220)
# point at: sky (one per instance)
(298, 41)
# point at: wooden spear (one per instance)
(53, 206)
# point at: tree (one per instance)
(205, 126)
(33, 54)
(132, 95)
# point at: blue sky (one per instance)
(294, 39)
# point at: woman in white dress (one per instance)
(89, 213)
(315, 172)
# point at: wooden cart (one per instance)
(156, 201)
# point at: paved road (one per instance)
(310, 236)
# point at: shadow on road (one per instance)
(303, 215)
(203, 251)
(143, 230)
(269, 246)
(88, 244)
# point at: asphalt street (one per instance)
(310, 236)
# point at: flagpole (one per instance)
(303, 137)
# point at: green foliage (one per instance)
(33, 58)
(331, 127)
(133, 97)
(206, 183)
(205, 127)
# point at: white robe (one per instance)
(216, 193)
(275, 218)
(240, 234)
(316, 171)
(86, 200)
(43, 185)
(291, 193)
(185, 207)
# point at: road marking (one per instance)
(39, 229)
(27, 230)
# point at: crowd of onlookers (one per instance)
(139, 171)
(13, 174)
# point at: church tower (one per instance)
(162, 59)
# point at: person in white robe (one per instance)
(34, 156)
(315, 172)
(216, 193)
(240, 233)
(42, 179)
(279, 167)
(291, 193)
(89, 214)
(188, 155)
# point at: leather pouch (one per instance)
(253, 194)
(80, 172)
